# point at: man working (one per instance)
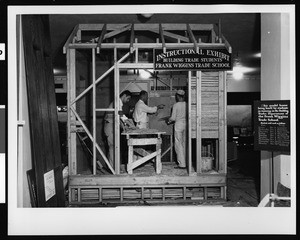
(141, 110)
(109, 124)
(179, 117)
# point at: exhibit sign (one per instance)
(272, 125)
(182, 59)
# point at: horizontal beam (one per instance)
(135, 65)
(146, 45)
(147, 26)
(143, 141)
(202, 179)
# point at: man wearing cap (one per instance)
(109, 123)
(141, 110)
(179, 117)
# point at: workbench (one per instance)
(143, 137)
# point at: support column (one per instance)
(198, 123)
(71, 70)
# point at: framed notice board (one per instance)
(272, 125)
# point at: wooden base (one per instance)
(144, 184)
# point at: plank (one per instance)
(142, 160)
(42, 107)
(143, 141)
(141, 151)
(111, 181)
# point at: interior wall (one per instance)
(247, 84)
(275, 82)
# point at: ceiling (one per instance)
(242, 31)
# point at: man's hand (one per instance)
(168, 121)
(160, 106)
(130, 124)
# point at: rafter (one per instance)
(101, 38)
(117, 31)
(161, 32)
(171, 35)
(192, 37)
(70, 38)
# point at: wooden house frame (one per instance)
(117, 187)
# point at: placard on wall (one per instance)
(213, 59)
(272, 125)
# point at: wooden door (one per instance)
(46, 155)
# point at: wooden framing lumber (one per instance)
(142, 160)
(203, 179)
(198, 123)
(70, 38)
(219, 31)
(189, 132)
(71, 71)
(172, 35)
(222, 139)
(192, 37)
(227, 45)
(117, 31)
(117, 117)
(143, 141)
(94, 109)
(210, 97)
(101, 38)
(91, 138)
(161, 33)
(145, 26)
(99, 79)
(131, 38)
(143, 45)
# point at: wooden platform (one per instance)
(145, 184)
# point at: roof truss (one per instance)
(182, 35)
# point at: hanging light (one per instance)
(145, 74)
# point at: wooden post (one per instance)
(130, 159)
(222, 140)
(136, 53)
(219, 32)
(94, 110)
(100, 194)
(79, 194)
(158, 156)
(198, 123)
(71, 73)
(189, 132)
(225, 122)
(171, 149)
(205, 193)
(116, 113)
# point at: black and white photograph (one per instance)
(151, 119)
